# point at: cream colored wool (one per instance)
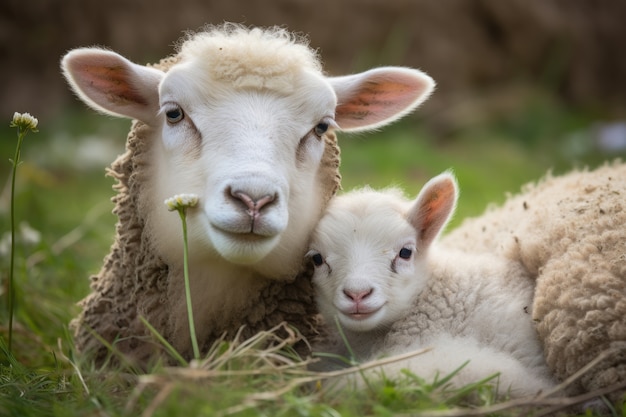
(569, 233)
(232, 55)
(135, 282)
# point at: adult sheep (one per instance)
(569, 234)
(382, 276)
(245, 119)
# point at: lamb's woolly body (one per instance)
(569, 234)
(467, 307)
(471, 361)
(480, 308)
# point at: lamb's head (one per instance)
(241, 118)
(370, 252)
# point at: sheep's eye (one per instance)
(320, 129)
(405, 253)
(174, 115)
(317, 259)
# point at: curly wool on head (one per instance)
(239, 56)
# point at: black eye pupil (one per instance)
(321, 128)
(405, 253)
(174, 116)
(317, 259)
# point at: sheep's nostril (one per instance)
(254, 206)
(261, 202)
(358, 296)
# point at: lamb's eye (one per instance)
(317, 259)
(320, 129)
(174, 115)
(405, 253)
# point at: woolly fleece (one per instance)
(135, 282)
(231, 54)
(569, 234)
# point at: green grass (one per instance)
(67, 202)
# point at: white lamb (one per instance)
(392, 289)
(244, 118)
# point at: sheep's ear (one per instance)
(377, 97)
(110, 83)
(433, 208)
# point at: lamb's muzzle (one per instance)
(359, 304)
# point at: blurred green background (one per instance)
(523, 88)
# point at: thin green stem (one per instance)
(192, 327)
(165, 343)
(11, 286)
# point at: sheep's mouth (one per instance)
(247, 237)
(360, 314)
(244, 236)
(241, 248)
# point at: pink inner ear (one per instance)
(382, 94)
(113, 81)
(434, 210)
(439, 205)
(381, 97)
(378, 100)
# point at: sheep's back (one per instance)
(569, 233)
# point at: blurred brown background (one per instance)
(473, 48)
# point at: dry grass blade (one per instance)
(543, 404)
(261, 355)
(561, 403)
(582, 371)
(262, 352)
(528, 403)
(264, 360)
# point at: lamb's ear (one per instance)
(432, 208)
(110, 83)
(378, 96)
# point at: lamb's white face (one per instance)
(368, 271)
(252, 156)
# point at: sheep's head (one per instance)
(370, 252)
(240, 120)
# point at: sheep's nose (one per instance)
(358, 296)
(253, 205)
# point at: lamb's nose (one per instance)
(358, 296)
(254, 206)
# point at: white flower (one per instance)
(181, 201)
(24, 121)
